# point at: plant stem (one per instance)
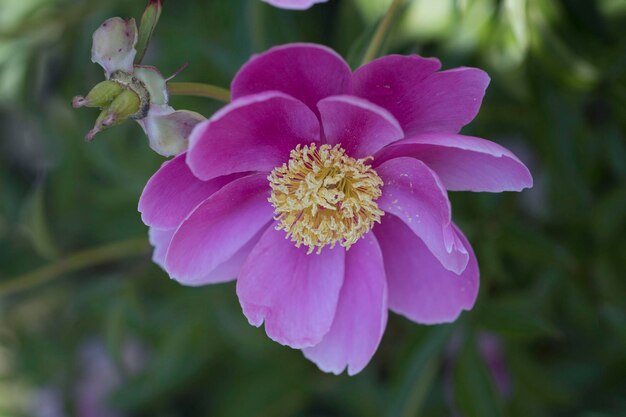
(82, 259)
(381, 32)
(199, 90)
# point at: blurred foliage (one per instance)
(552, 259)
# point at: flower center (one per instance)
(322, 196)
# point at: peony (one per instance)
(325, 193)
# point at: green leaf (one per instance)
(421, 370)
(515, 317)
(35, 224)
(474, 389)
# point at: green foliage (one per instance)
(552, 258)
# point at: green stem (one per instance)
(199, 90)
(381, 31)
(83, 259)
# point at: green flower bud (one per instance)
(104, 120)
(149, 20)
(125, 105)
(100, 96)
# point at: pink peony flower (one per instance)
(324, 192)
(294, 4)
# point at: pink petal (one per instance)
(419, 287)
(307, 72)
(421, 99)
(160, 239)
(113, 45)
(218, 228)
(294, 4)
(362, 128)
(254, 133)
(173, 192)
(413, 192)
(226, 271)
(361, 313)
(464, 163)
(231, 268)
(294, 293)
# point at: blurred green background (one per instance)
(102, 332)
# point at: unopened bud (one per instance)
(149, 20)
(104, 120)
(125, 105)
(101, 95)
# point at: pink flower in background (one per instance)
(325, 192)
(491, 350)
(294, 4)
(100, 377)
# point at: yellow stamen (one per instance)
(322, 197)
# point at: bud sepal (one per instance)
(134, 91)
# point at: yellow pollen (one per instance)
(322, 197)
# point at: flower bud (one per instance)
(149, 20)
(125, 105)
(100, 96)
(104, 120)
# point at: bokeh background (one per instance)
(89, 327)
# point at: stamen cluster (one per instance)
(322, 197)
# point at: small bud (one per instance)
(125, 105)
(149, 20)
(104, 120)
(100, 96)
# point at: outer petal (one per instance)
(422, 100)
(307, 72)
(419, 287)
(113, 45)
(361, 313)
(231, 268)
(294, 4)
(294, 293)
(464, 163)
(168, 130)
(413, 192)
(226, 271)
(218, 228)
(173, 192)
(254, 133)
(160, 239)
(361, 127)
